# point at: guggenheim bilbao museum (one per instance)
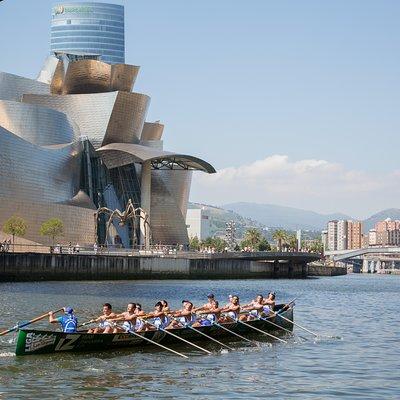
(75, 143)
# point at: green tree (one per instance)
(15, 226)
(194, 243)
(217, 243)
(263, 245)
(280, 237)
(291, 240)
(254, 239)
(53, 227)
(317, 246)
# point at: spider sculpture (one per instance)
(131, 214)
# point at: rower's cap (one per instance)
(68, 310)
(211, 296)
(185, 301)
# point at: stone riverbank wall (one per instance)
(323, 270)
(48, 267)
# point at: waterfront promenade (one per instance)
(181, 265)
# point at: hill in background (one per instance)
(392, 213)
(290, 218)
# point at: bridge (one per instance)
(342, 255)
(383, 259)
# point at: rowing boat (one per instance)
(32, 341)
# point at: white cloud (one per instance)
(317, 185)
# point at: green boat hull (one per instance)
(32, 341)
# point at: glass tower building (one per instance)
(95, 29)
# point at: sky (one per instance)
(294, 102)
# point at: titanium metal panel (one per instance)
(37, 125)
(28, 171)
(127, 119)
(12, 87)
(103, 117)
(87, 76)
(152, 131)
(123, 77)
(78, 222)
(178, 185)
(119, 154)
(168, 226)
(48, 69)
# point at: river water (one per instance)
(357, 354)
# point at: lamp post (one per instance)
(230, 234)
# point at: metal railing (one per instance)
(152, 251)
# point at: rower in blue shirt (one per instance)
(69, 323)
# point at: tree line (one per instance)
(254, 240)
(17, 226)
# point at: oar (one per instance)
(180, 338)
(157, 344)
(92, 321)
(209, 337)
(278, 326)
(261, 331)
(294, 323)
(17, 327)
(235, 334)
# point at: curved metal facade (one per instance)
(12, 87)
(152, 131)
(28, 171)
(38, 125)
(103, 117)
(78, 221)
(119, 154)
(86, 27)
(76, 139)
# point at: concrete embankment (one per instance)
(323, 270)
(47, 267)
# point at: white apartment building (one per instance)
(337, 234)
(198, 223)
(332, 235)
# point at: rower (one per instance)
(255, 308)
(69, 323)
(233, 310)
(210, 304)
(140, 325)
(129, 318)
(185, 315)
(165, 307)
(161, 320)
(210, 316)
(104, 325)
(269, 304)
(230, 301)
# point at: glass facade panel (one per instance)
(89, 27)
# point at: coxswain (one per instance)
(129, 318)
(185, 316)
(232, 311)
(255, 308)
(69, 322)
(105, 326)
